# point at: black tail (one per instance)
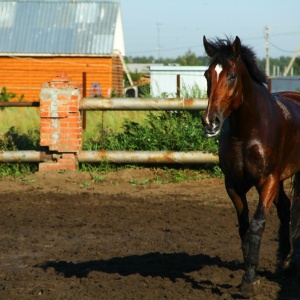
(295, 220)
(295, 209)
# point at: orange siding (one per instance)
(25, 75)
(117, 75)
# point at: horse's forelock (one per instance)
(224, 53)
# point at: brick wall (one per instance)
(61, 124)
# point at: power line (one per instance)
(201, 46)
(286, 33)
(280, 49)
(182, 47)
(166, 49)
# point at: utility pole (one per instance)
(267, 51)
(287, 69)
(158, 40)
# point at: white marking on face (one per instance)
(218, 69)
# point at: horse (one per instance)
(259, 146)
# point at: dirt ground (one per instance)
(66, 236)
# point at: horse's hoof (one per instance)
(250, 289)
(288, 268)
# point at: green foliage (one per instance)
(170, 130)
(13, 140)
(17, 169)
(6, 96)
(188, 59)
(193, 91)
(278, 65)
(144, 91)
(191, 59)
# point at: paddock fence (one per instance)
(61, 106)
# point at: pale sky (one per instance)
(169, 28)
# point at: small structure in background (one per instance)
(284, 83)
(164, 80)
(140, 73)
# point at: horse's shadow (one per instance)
(166, 265)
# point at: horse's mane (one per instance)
(223, 52)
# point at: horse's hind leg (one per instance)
(283, 205)
(295, 224)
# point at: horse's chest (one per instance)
(231, 158)
(243, 159)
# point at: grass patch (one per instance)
(98, 123)
(24, 118)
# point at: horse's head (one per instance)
(224, 86)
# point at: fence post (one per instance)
(60, 122)
(178, 86)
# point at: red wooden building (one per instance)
(39, 39)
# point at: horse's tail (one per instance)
(295, 219)
(296, 184)
(295, 204)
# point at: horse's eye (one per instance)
(232, 76)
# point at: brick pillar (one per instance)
(60, 122)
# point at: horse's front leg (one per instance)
(251, 245)
(252, 239)
(250, 236)
(238, 198)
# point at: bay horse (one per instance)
(259, 146)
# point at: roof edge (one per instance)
(9, 54)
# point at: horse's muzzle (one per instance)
(213, 128)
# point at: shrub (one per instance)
(12, 140)
(170, 130)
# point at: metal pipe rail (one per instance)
(20, 104)
(147, 157)
(120, 157)
(127, 104)
(142, 104)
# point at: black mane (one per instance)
(223, 52)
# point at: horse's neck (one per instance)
(249, 114)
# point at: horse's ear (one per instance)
(209, 48)
(236, 47)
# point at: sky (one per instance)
(170, 28)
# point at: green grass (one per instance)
(24, 118)
(27, 119)
(97, 121)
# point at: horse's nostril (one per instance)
(216, 123)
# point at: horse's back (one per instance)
(289, 96)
